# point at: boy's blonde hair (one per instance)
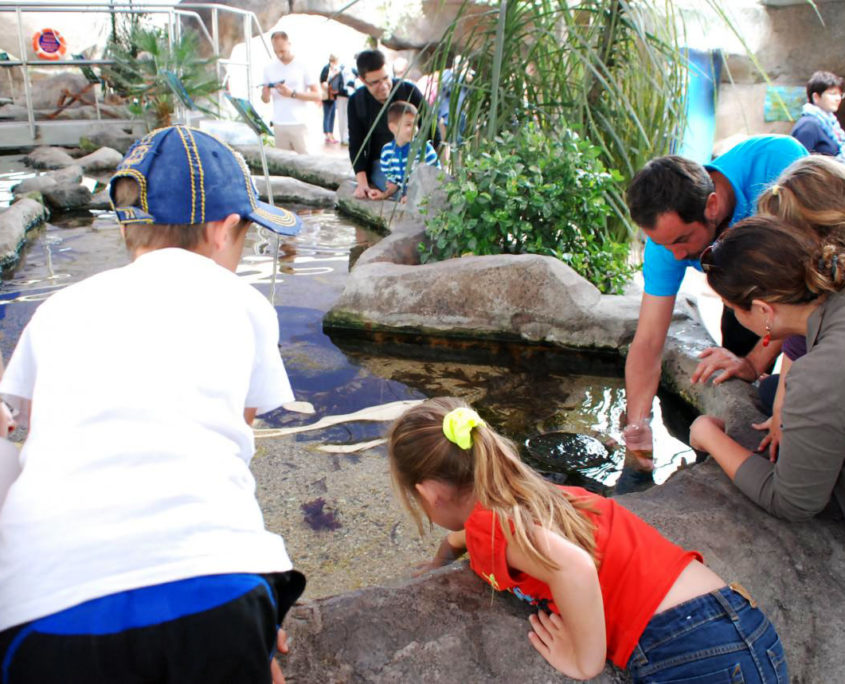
(492, 471)
(145, 236)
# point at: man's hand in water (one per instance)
(281, 647)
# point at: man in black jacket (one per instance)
(368, 106)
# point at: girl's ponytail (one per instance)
(424, 445)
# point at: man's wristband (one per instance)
(293, 94)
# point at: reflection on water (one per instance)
(520, 397)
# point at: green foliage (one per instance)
(538, 192)
(142, 55)
(611, 69)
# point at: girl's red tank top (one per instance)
(637, 568)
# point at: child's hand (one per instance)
(404, 199)
(550, 639)
(281, 647)
(375, 194)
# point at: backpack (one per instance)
(336, 84)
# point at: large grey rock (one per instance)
(103, 136)
(104, 159)
(327, 172)
(291, 190)
(529, 297)
(450, 627)
(34, 184)
(48, 158)
(15, 221)
(426, 194)
(68, 174)
(67, 197)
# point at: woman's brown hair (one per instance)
(763, 258)
(491, 470)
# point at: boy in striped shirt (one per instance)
(402, 122)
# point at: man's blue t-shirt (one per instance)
(750, 167)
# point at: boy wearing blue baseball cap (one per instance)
(132, 547)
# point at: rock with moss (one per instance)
(15, 221)
(327, 172)
(48, 158)
(293, 191)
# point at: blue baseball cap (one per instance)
(187, 176)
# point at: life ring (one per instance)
(49, 44)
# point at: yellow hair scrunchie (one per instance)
(775, 190)
(458, 425)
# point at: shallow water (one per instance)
(335, 511)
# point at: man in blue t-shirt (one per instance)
(682, 208)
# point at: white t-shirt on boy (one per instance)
(136, 466)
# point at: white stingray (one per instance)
(383, 412)
(349, 448)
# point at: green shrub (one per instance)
(529, 192)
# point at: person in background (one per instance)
(682, 207)
(367, 111)
(781, 281)
(132, 546)
(346, 88)
(606, 584)
(402, 122)
(330, 79)
(401, 66)
(818, 129)
(290, 85)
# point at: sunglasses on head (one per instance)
(708, 258)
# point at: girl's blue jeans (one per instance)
(717, 637)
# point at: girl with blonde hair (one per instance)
(780, 282)
(608, 585)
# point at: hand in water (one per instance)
(639, 445)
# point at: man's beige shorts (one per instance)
(291, 137)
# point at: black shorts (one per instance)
(231, 643)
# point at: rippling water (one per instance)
(520, 396)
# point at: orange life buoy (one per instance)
(49, 44)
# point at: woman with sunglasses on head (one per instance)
(780, 281)
(810, 197)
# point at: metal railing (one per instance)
(173, 13)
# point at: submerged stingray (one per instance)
(383, 412)
(568, 450)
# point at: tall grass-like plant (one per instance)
(142, 56)
(610, 69)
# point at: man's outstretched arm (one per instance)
(642, 367)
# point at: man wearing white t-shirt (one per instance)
(292, 87)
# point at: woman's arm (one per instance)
(707, 433)
(574, 642)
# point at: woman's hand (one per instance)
(731, 365)
(701, 427)
(772, 439)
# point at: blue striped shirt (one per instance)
(394, 161)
